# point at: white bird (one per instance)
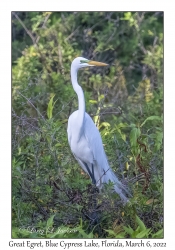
(85, 140)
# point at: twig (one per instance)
(60, 59)
(119, 160)
(110, 38)
(43, 211)
(69, 103)
(31, 104)
(67, 38)
(23, 25)
(155, 41)
(45, 21)
(111, 112)
(136, 178)
(103, 175)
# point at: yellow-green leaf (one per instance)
(93, 101)
(150, 201)
(140, 223)
(104, 124)
(135, 133)
(151, 118)
(50, 107)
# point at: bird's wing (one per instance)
(69, 137)
(81, 163)
(94, 140)
(95, 143)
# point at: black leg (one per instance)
(93, 181)
(91, 174)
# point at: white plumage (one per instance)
(85, 140)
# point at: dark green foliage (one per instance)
(51, 195)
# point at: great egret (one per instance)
(85, 140)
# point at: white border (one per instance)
(5, 96)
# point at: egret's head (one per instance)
(81, 62)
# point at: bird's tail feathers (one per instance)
(119, 188)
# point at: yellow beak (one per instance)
(94, 63)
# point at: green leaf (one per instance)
(128, 230)
(101, 97)
(120, 236)
(58, 145)
(78, 207)
(68, 171)
(123, 136)
(140, 223)
(111, 232)
(85, 235)
(151, 118)
(143, 233)
(93, 101)
(14, 235)
(135, 233)
(117, 236)
(122, 125)
(104, 124)
(150, 201)
(159, 138)
(50, 107)
(159, 234)
(50, 221)
(134, 134)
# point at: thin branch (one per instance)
(60, 57)
(45, 21)
(23, 25)
(67, 38)
(155, 41)
(110, 38)
(31, 104)
(106, 113)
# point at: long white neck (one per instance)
(81, 101)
